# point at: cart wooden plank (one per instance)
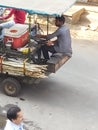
(56, 61)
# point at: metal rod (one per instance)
(29, 35)
(47, 24)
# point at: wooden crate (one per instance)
(56, 61)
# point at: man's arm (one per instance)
(41, 36)
(8, 15)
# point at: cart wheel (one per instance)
(11, 87)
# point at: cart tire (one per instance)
(11, 87)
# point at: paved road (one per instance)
(67, 100)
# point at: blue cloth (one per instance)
(1, 11)
(6, 25)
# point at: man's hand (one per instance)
(49, 43)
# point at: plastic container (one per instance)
(18, 35)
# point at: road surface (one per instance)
(66, 100)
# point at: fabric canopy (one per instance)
(42, 7)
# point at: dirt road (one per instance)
(65, 100)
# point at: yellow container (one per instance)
(25, 50)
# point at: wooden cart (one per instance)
(15, 65)
(15, 70)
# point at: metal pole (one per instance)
(29, 35)
(47, 24)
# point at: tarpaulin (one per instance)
(42, 7)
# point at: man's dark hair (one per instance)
(12, 112)
(60, 18)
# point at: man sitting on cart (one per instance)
(19, 17)
(62, 44)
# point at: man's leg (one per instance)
(46, 49)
